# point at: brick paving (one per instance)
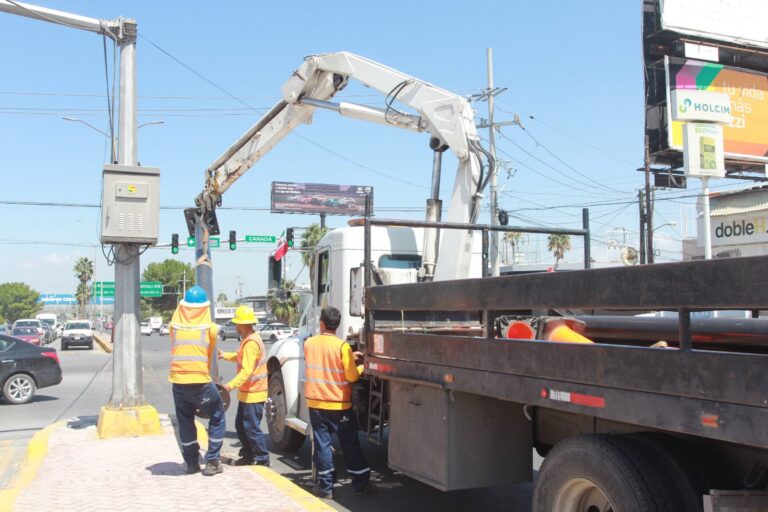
(81, 473)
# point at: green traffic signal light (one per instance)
(175, 243)
(232, 240)
(289, 236)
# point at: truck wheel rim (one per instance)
(20, 388)
(581, 495)
(277, 418)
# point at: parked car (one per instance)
(77, 332)
(165, 330)
(274, 331)
(145, 328)
(228, 330)
(24, 368)
(28, 334)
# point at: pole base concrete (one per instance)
(137, 421)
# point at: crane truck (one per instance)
(462, 397)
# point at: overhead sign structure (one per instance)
(744, 136)
(317, 198)
(146, 289)
(213, 242)
(736, 21)
(57, 299)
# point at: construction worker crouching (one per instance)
(331, 368)
(251, 381)
(193, 338)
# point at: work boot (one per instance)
(212, 467)
(192, 469)
(368, 489)
(243, 461)
(326, 495)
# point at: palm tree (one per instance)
(558, 244)
(284, 304)
(83, 272)
(309, 241)
(221, 299)
(513, 238)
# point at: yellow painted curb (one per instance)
(142, 420)
(105, 346)
(291, 490)
(38, 447)
(202, 434)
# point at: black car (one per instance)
(25, 367)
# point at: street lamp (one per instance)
(112, 150)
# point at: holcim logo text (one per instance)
(740, 228)
(703, 107)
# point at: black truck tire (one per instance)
(283, 437)
(603, 472)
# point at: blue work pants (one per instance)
(206, 398)
(248, 427)
(343, 424)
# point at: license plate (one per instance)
(77, 337)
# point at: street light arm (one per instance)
(112, 28)
(76, 120)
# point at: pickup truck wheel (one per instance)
(603, 473)
(19, 388)
(273, 338)
(283, 437)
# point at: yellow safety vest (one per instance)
(257, 381)
(192, 335)
(326, 378)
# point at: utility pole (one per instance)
(127, 414)
(648, 201)
(642, 226)
(494, 256)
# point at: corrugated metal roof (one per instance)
(739, 202)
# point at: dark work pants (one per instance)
(252, 439)
(343, 424)
(187, 398)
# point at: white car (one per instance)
(275, 331)
(146, 330)
(165, 330)
(77, 332)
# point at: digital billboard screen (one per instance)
(320, 198)
(744, 137)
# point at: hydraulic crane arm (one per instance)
(446, 116)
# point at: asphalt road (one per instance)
(87, 386)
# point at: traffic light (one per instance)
(289, 236)
(175, 243)
(232, 241)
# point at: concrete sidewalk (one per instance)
(68, 468)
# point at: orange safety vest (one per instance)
(190, 335)
(257, 381)
(326, 378)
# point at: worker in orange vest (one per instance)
(331, 368)
(193, 340)
(251, 382)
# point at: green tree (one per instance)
(221, 299)
(284, 304)
(18, 300)
(309, 241)
(172, 273)
(558, 244)
(83, 272)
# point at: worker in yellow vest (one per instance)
(251, 382)
(331, 368)
(193, 338)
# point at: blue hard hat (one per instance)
(196, 295)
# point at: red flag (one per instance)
(282, 250)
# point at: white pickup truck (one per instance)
(77, 333)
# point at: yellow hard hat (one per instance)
(244, 315)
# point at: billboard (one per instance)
(320, 198)
(735, 21)
(744, 137)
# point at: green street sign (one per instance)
(151, 289)
(261, 238)
(146, 289)
(213, 241)
(103, 289)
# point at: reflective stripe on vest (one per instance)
(257, 381)
(189, 350)
(326, 378)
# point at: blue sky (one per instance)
(575, 68)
